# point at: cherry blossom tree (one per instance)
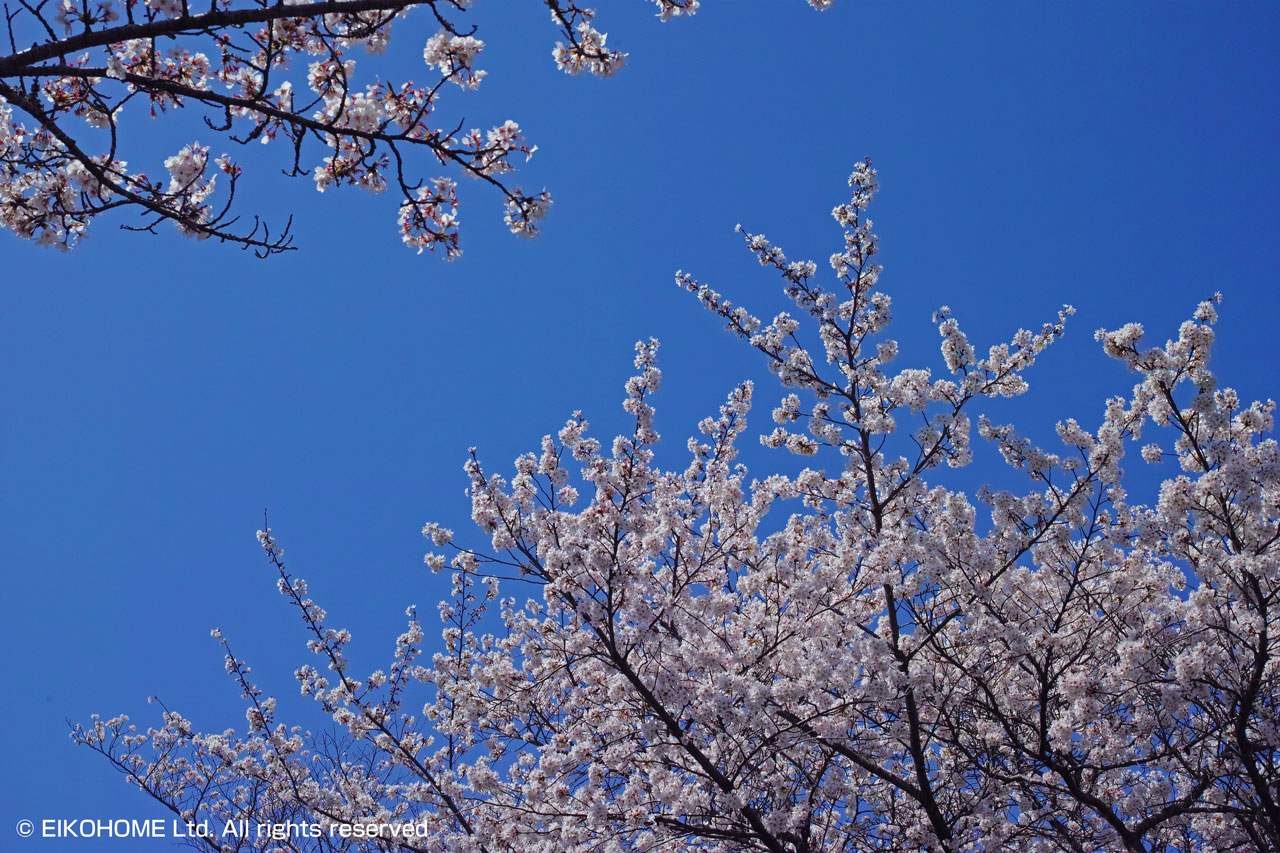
(846, 659)
(257, 70)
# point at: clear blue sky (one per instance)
(159, 393)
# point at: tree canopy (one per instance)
(852, 657)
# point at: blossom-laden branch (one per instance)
(846, 659)
(257, 70)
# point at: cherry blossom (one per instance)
(259, 71)
(847, 658)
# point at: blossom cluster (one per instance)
(846, 658)
(262, 72)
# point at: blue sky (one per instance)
(160, 393)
